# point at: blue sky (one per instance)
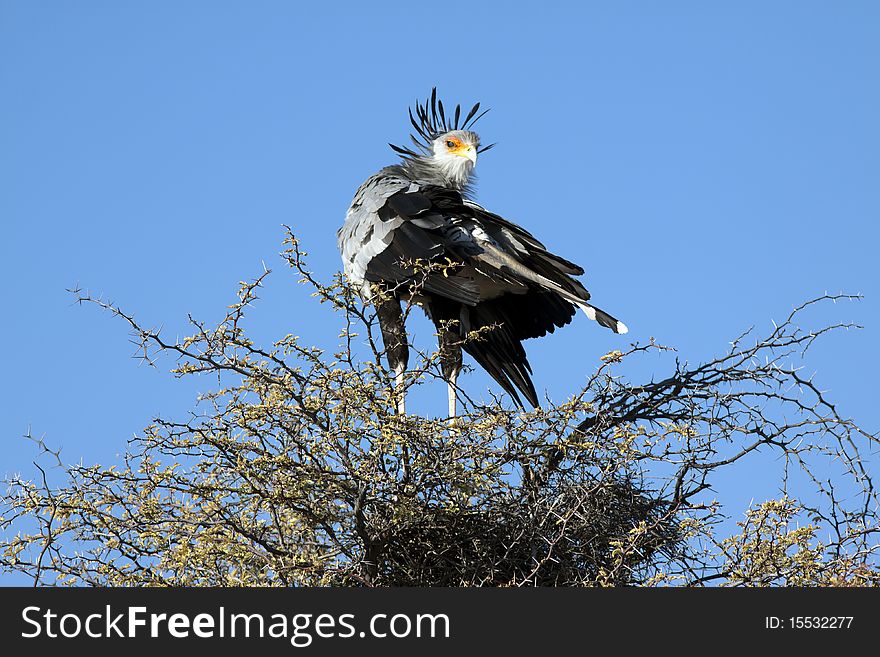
(710, 164)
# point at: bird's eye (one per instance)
(450, 144)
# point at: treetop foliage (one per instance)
(297, 471)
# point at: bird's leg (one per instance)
(396, 347)
(451, 392)
(450, 361)
(399, 390)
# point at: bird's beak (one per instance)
(470, 153)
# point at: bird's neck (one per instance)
(454, 173)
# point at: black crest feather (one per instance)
(430, 121)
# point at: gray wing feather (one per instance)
(365, 234)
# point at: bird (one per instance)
(489, 284)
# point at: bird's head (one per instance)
(443, 142)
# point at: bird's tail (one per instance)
(603, 318)
(578, 297)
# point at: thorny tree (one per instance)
(297, 471)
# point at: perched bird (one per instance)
(491, 275)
